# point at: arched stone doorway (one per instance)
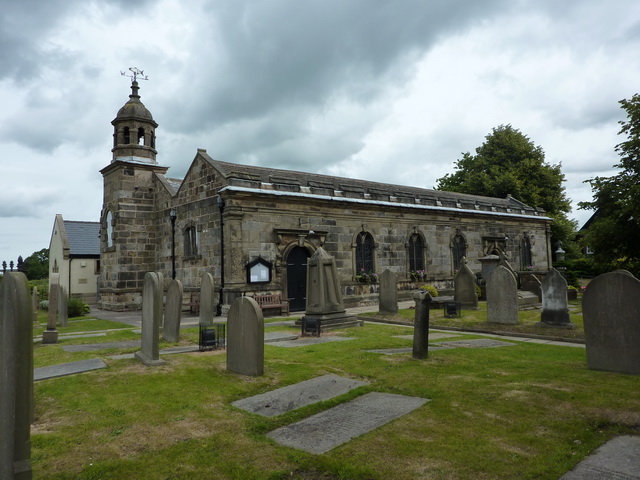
(297, 278)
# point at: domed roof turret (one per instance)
(134, 109)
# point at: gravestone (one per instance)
(325, 309)
(63, 307)
(465, 286)
(151, 317)
(421, 325)
(555, 305)
(50, 335)
(532, 284)
(16, 377)
(502, 296)
(245, 337)
(35, 304)
(388, 293)
(489, 264)
(173, 312)
(611, 312)
(207, 302)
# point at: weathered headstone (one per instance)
(325, 309)
(388, 293)
(611, 312)
(465, 286)
(555, 306)
(502, 296)
(63, 307)
(245, 337)
(207, 302)
(489, 264)
(50, 335)
(151, 317)
(35, 304)
(421, 325)
(173, 312)
(16, 377)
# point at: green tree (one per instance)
(37, 265)
(614, 229)
(509, 163)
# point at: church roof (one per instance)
(271, 179)
(134, 109)
(84, 238)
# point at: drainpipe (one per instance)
(220, 202)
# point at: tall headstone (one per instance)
(151, 318)
(63, 307)
(465, 286)
(16, 377)
(35, 304)
(555, 305)
(324, 298)
(421, 325)
(207, 299)
(502, 296)
(245, 337)
(50, 335)
(611, 312)
(388, 293)
(173, 312)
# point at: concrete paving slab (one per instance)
(397, 351)
(285, 323)
(54, 371)
(270, 337)
(92, 347)
(70, 336)
(475, 343)
(618, 459)
(298, 395)
(304, 341)
(326, 430)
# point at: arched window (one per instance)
(127, 136)
(458, 250)
(416, 253)
(364, 253)
(526, 260)
(190, 242)
(108, 229)
(140, 136)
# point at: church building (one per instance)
(253, 228)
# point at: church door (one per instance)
(297, 278)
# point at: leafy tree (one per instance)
(509, 163)
(37, 265)
(614, 230)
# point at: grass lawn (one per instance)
(525, 411)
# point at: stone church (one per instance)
(253, 228)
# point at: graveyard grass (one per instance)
(523, 411)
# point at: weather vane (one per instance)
(135, 74)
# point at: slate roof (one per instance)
(84, 238)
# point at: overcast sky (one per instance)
(392, 91)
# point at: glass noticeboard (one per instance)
(259, 271)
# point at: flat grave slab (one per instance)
(326, 430)
(92, 347)
(54, 371)
(475, 343)
(432, 336)
(618, 459)
(304, 341)
(398, 351)
(298, 395)
(284, 323)
(270, 337)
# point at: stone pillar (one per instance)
(173, 312)
(151, 318)
(35, 303)
(245, 337)
(16, 374)
(388, 293)
(50, 335)
(207, 299)
(421, 325)
(63, 307)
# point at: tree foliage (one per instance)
(614, 230)
(509, 163)
(37, 265)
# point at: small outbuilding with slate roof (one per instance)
(74, 253)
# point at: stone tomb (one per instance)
(207, 295)
(555, 305)
(151, 318)
(173, 312)
(298, 395)
(326, 430)
(502, 296)
(16, 377)
(245, 337)
(465, 286)
(388, 293)
(611, 312)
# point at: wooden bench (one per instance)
(272, 301)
